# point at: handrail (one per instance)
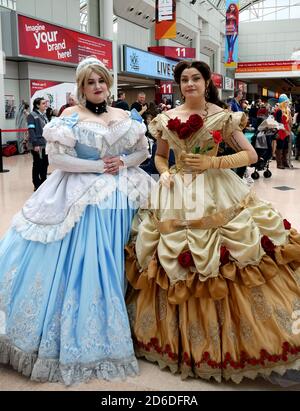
(17, 130)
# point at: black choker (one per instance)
(96, 108)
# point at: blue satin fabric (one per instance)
(87, 153)
(65, 300)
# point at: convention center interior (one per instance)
(149, 197)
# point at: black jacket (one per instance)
(36, 122)
(122, 104)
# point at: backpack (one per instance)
(9, 150)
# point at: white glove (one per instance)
(75, 165)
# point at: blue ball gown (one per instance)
(62, 261)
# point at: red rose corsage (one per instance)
(185, 129)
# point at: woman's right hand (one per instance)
(166, 179)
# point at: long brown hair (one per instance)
(212, 94)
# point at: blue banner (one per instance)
(231, 33)
(147, 64)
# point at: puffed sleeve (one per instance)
(139, 145)
(235, 121)
(59, 135)
(157, 127)
(60, 147)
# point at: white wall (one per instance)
(11, 87)
(61, 12)
(2, 70)
(133, 35)
(268, 40)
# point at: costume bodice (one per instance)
(87, 153)
(225, 122)
(93, 140)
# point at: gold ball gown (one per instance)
(214, 271)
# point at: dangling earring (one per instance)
(206, 95)
(182, 97)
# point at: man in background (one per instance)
(71, 101)
(36, 121)
(140, 104)
(235, 103)
(121, 102)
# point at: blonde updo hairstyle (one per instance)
(83, 74)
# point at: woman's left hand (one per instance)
(196, 162)
(112, 165)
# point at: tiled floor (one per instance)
(16, 187)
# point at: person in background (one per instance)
(164, 105)
(296, 123)
(235, 103)
(283, 115)
(253, 113)
(50, 113)
(236, 106)
(36, 121)
(140, 104)
(71, 102)
(21, 123)
(245, 105)
(121, 102)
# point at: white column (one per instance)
(197, 45)
(106, 10)
(2, 72)
(218, 60)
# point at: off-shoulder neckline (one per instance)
(108, 126)
(112, 124)
(210, 115)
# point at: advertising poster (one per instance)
(165, 19)
(47, 41)
(10, 107)
(231, 33)
(54, 93)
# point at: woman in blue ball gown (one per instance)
(62, 261)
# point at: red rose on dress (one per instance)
(195, 122)
(267, 245)
(184, 132)
(224, 255)
(174, 124)
(281, 134)
(287, 224)
(185, 259)
(217, 136)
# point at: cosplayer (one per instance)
(231, 30)
(62, 261)
(214, 270)
(284, 140)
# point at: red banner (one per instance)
(36, 85)
(166, 87)
(165, 25)
(217, 79)
(174, 52)
(265, 66)
(47, 41)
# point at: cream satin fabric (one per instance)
(204, 195)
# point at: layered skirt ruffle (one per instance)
(63, 305)
(238, 317)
